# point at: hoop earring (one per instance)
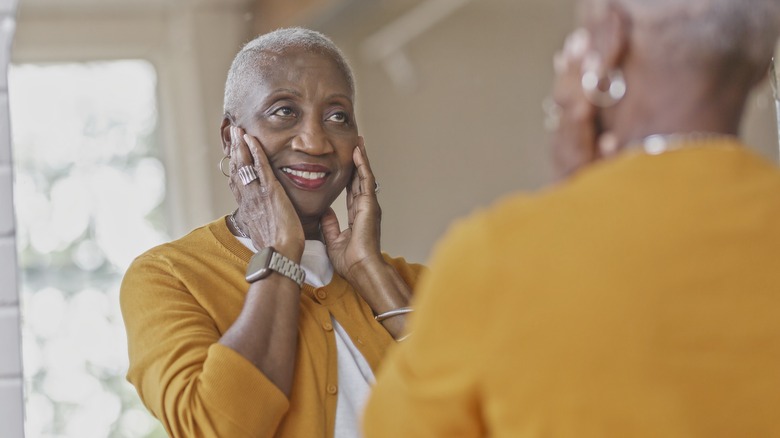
(601, 98)
(222, 168)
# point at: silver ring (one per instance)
(247, 174)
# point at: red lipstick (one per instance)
(306, 176)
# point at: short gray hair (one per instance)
(712, 29)
(248, 63)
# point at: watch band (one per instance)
(287, 267)
(266, 260)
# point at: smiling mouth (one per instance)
(306, 179)
(305, 175)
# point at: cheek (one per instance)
(272, 144)
(271, 148)
(344, 177)
(348, 168)
(344, 150)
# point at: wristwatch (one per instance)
(267, 260)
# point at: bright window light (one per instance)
(89, 189)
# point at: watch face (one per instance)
(258, 265)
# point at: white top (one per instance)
(354, 374)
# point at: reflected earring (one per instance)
(615, 91)
(222, 167)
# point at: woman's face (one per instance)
(302, 113)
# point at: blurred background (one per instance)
(115, 109)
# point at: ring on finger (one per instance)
(247, 174)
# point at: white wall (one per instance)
(470, 128)
(11, 405)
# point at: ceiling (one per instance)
(121, 5)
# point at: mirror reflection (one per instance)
(116, 109)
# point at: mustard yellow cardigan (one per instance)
(640, 299)
(179, 298)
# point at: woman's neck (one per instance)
(311, 229)
(682, 119)
(692, 105)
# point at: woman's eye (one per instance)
(338, 118)
(284, 112)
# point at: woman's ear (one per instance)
(224, 133)
(610, 35)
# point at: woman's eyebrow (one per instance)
(287, 91)
(339, 96)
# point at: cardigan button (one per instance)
(321, 294)
(332, 389)
(327, 326)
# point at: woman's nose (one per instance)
(312, 140)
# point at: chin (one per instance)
(308, 209)
(310, 213)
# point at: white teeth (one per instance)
(305, 175)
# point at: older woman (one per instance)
(639, 296)
(271, 320)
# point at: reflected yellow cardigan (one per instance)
(639, 299)
(177, 300)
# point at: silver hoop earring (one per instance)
(221, 167)
(601, 98)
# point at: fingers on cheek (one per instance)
(569, 60)
(250, 148)
(559, 63)
(577, 43)
(357, 156)
(366, 175)
(244, 155)
(580, 112)
(252, 145)
(235, 139)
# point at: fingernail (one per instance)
(233, 138)
(579, 41)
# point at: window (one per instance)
(89, 190)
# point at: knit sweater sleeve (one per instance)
(195, 386)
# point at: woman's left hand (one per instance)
(357, 247)
(355, 252)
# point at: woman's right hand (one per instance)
(265, 212)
